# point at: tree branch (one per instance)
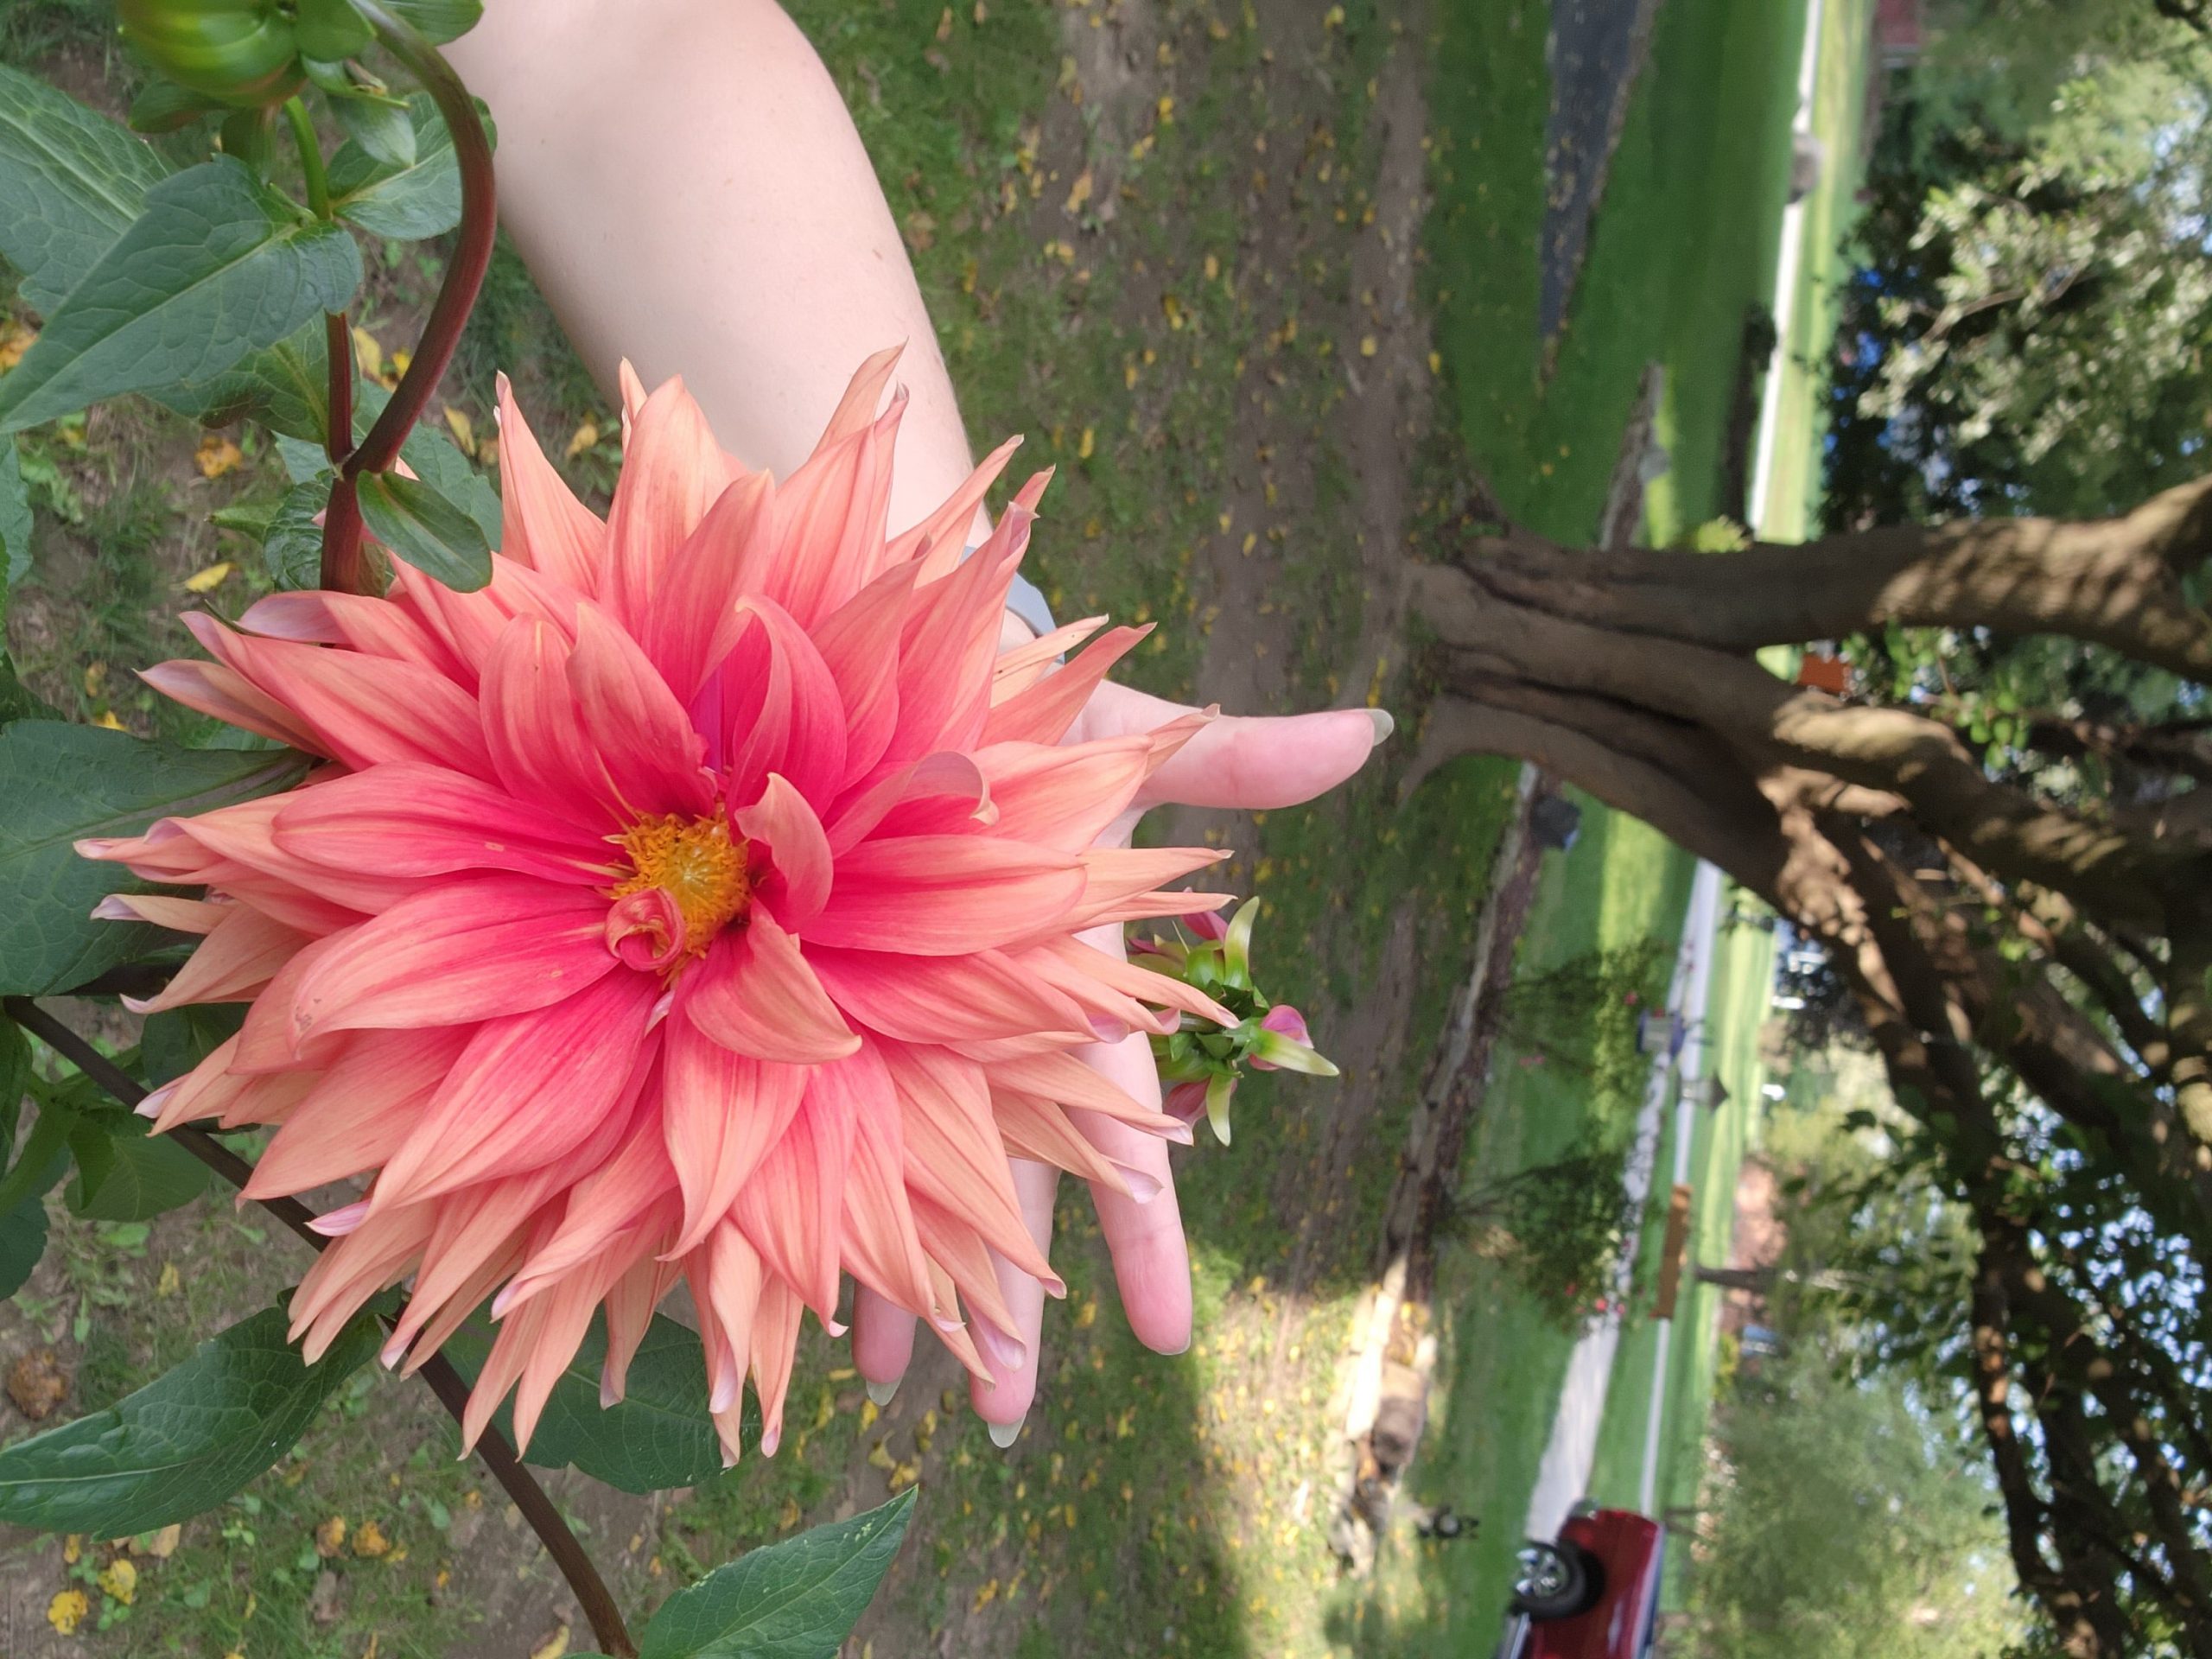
(2112, 583)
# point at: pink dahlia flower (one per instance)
(698, 899)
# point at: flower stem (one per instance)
(519, 1484)
(341, 530)
(472, 254)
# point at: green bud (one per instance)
(239, 52)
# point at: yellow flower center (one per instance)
(698, 863)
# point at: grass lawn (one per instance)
(1791, 511)
(1735, 1007)
(1178, 379)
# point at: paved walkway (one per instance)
(1565, 1475)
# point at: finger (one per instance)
(1152, 1262)
(1005, 1399)
(1235, 762)
(883, 1343)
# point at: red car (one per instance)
(1591, 1594)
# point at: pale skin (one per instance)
(689, 191)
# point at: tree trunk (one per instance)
(1756, 1281)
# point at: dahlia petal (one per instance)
(941, 999)
(654, 757)
(859, 643)
(393, 628)
(568, 1307)
(421, 820)
(468, 625)
(755, 994)
(462, 950)
(725, 1278)
(1063, 797)
(304, 618)
(163, 910)
(1023, 666)
(964, 1256)
(529, 1089)
(1043, 713)
(539, 748)
(360, 709)
(212, 1090)
(517, 1339)
(791, 1208)
(1038, 1129)
(947, 791)
(782, 822)
(355, 1115)
(947, 528)
(696, 622)
(1114, 874)
(479, 1237)
(880, 1248)
(1149, 907)
(546, 527)
(265, 1041)
(829, 520)
(778, 693)
(357, 1267)
(1064, 963)
(1061, 1078)
(947, 645)
(247, 863)
(229, 696)
(720, 1113)
(955, 1157)
(863, 396)
(630, 1307)
(775, 1342)
(945, 895)
(242, 952)
(672, 471)
(600, 1208)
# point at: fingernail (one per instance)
(1385, 725)
(1003, 1435)
(881, 1392)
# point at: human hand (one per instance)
(1245, 765)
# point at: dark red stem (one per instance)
(472, 254)
(344, 569)
(516, 1480)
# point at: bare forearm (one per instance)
(689, 191)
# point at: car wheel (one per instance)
(1553, 1580)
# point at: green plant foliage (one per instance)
(658, 1435)
(65, 783)
(218, 265)
(183, 1443)
(70, 184)
(124, 1175)
(417, 198)
(797, 1599)
(421, 526)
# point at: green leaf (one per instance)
(438, 21)
(124, 1175)
(427, 449)
(15, 516)
(183, 1443)
(164, 106)
(23, 1242)
(62, 783)
(405, 202)
(218, 265)
(15, 1078)
(797, 1599)
(658, 1435)
(419, 525)
(282, 386)
(330, 29)
(71, 183)
(379, 126)
(176, 1039)
(17, 701)
(293, 546)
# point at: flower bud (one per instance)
(1202, 1060)
(238, 53)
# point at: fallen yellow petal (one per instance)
(585, 435)
(162, 1545)
(217, 456)
(120, 1580)
(207, 580)
(330, 1537)
(463, 428)
(67, 1610)
(553, 1646)
(370, 1541)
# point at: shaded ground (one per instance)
(1595, 51)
